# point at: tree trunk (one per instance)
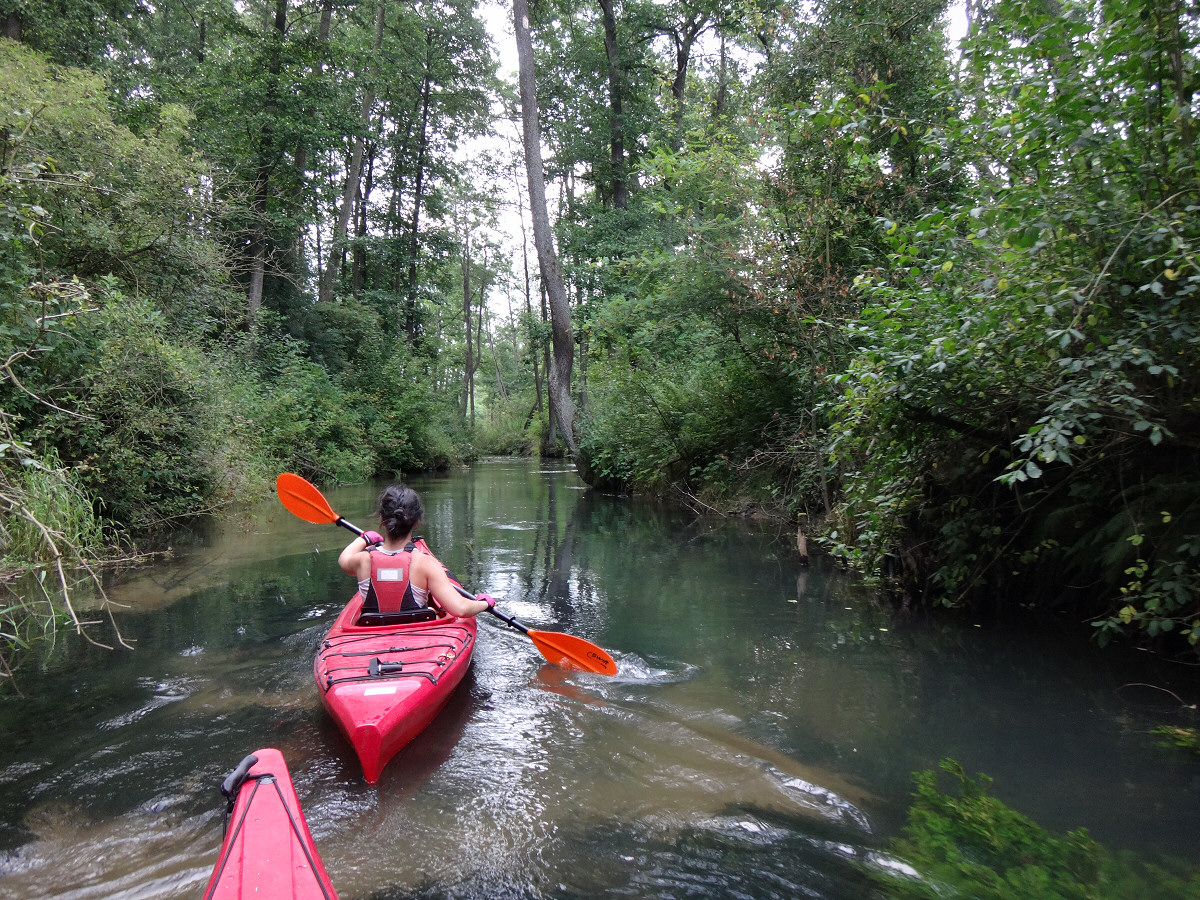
(581, 380)
(301, 158)
(396, 229)
(562, 358)
(362, 204)
(258, 240)
(326, 16)
(551, 420)
(469, 360)
(616, 115)
(684, 39)
(499, 378)
(478, 333)
(410, 311)
(1172, 30)
(537, 375)
(533, 354)
(353, 174)
(722, 83)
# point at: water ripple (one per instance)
(632, 669)
(823, 800)
(166, 691)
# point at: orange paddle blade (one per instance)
(572, 652)
(303, 500)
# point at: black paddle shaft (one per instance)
(349, 525)
(511, 623)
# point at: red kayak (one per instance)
(385, 676)
(268, 852)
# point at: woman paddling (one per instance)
(393, 574)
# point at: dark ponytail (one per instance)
(400, 510)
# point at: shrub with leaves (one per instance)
(1025, 396)
(970, 845)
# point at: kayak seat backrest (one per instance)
(397, 618)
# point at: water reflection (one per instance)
(758, 741)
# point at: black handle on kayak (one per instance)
(233, 781)
(377, 667)
(232, 784)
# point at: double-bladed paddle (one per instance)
(302, 499)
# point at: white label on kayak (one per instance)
(390, 574)
(373, 691)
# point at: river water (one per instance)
(759, 740)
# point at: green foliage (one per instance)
(100, 200)
(1160, 595)
(142, 431)
(129, 351)
(574, 91)
(972, 845)
(412, 426)
(726, 287)
(853, 92)
(505, 434)
(661, 424)
(150, 401)
(305, 425)
(50, 532)
(1184, 738)
(43, 500)
(631, 437)
(1025, 382)
(680, 382)
(75, 33)
(947, 311)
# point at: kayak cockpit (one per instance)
(354, 616)
(403, 617)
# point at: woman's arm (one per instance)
(354, 556)
(444, 591)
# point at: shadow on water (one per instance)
(759, 740)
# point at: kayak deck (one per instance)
(267, 850)
(384, 684)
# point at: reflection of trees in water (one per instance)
(580, 554)
(576, 554)
(603, 535)
(547, 575)
(560, 556)
(560, 571)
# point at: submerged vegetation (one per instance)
(931, 304)
(1184, 738)
(968, 844)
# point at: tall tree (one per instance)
(410, 305)
(562, 406)
(267, 158)
(470, 359)
(616, 113)
(683, 23)
(353, 170)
